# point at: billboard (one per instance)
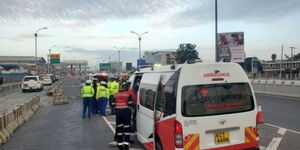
(128, 66)
(231, 46)
(54, 58)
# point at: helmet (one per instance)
(124, 87)
(88, 81)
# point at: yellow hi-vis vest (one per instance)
(87, 91)
(102, 91)
(113, 87)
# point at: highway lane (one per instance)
(60, 127)
(17, 97)
(280, 111)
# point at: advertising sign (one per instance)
(105, 67)
(54, 58)
(231, 46)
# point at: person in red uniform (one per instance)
(123, 104)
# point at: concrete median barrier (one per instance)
(10, 121)
(59, 97)
(277, 87)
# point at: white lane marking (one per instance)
(281, 131)
(282, 127)
(274, 144)
(110, 126)
(262, 148)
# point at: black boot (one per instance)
(121, 147)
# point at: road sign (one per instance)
(54, 61)
(54, 58)
(105, 67)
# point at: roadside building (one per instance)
(160, 57)
(24, 63)
(272, 68)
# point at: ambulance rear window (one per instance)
(216, 99)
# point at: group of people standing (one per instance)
(121, 101)
(96, 95)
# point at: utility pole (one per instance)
(291, 73)
(49, 61)
(280, 72)
(35, 39)
(252, 67)
(216, 30)
(119, 55)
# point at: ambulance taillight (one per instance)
(178, 136)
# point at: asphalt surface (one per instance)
(16, 97)
(60, 127)
(281, 127)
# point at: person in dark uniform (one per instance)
(123, 104)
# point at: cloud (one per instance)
(250, 11)
(80, 12)
(113, 37)
(174, 13)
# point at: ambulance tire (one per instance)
(158, 145)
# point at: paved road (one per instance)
(281, 129)
(16, 97)
(61, 127)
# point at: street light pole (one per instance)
(35, 36)
(216, 30)
(140, 38)
(291, 73)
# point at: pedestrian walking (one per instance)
(123, 103)
(102, 97)
(87, 93)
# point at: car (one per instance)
(47, 80)
(32, 83)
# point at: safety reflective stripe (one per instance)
(121, 107)
(191, 142)
(119, 134)
(126, 133)
(126, 143)
(120, 144)
(126, 126)
(120, 125)
(250, 136)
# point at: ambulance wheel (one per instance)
(158, 145)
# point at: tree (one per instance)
(296, 57)
(273, 56)
(186, 51)
(256, 64)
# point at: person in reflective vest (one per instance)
(102, 97)
(87, 93)
(95, 100)
(113, 87)
(123, 104)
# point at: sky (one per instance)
(95, 30)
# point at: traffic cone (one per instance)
(260, 117)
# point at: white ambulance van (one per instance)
(197, 106)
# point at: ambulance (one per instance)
(195, 106)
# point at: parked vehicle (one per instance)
(47, 80)
(195, 106)
(32, 83)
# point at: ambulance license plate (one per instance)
(222, 137)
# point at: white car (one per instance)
(32, 83)
(47, 80)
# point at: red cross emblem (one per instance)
(204, 92)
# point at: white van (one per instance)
(198, 106)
